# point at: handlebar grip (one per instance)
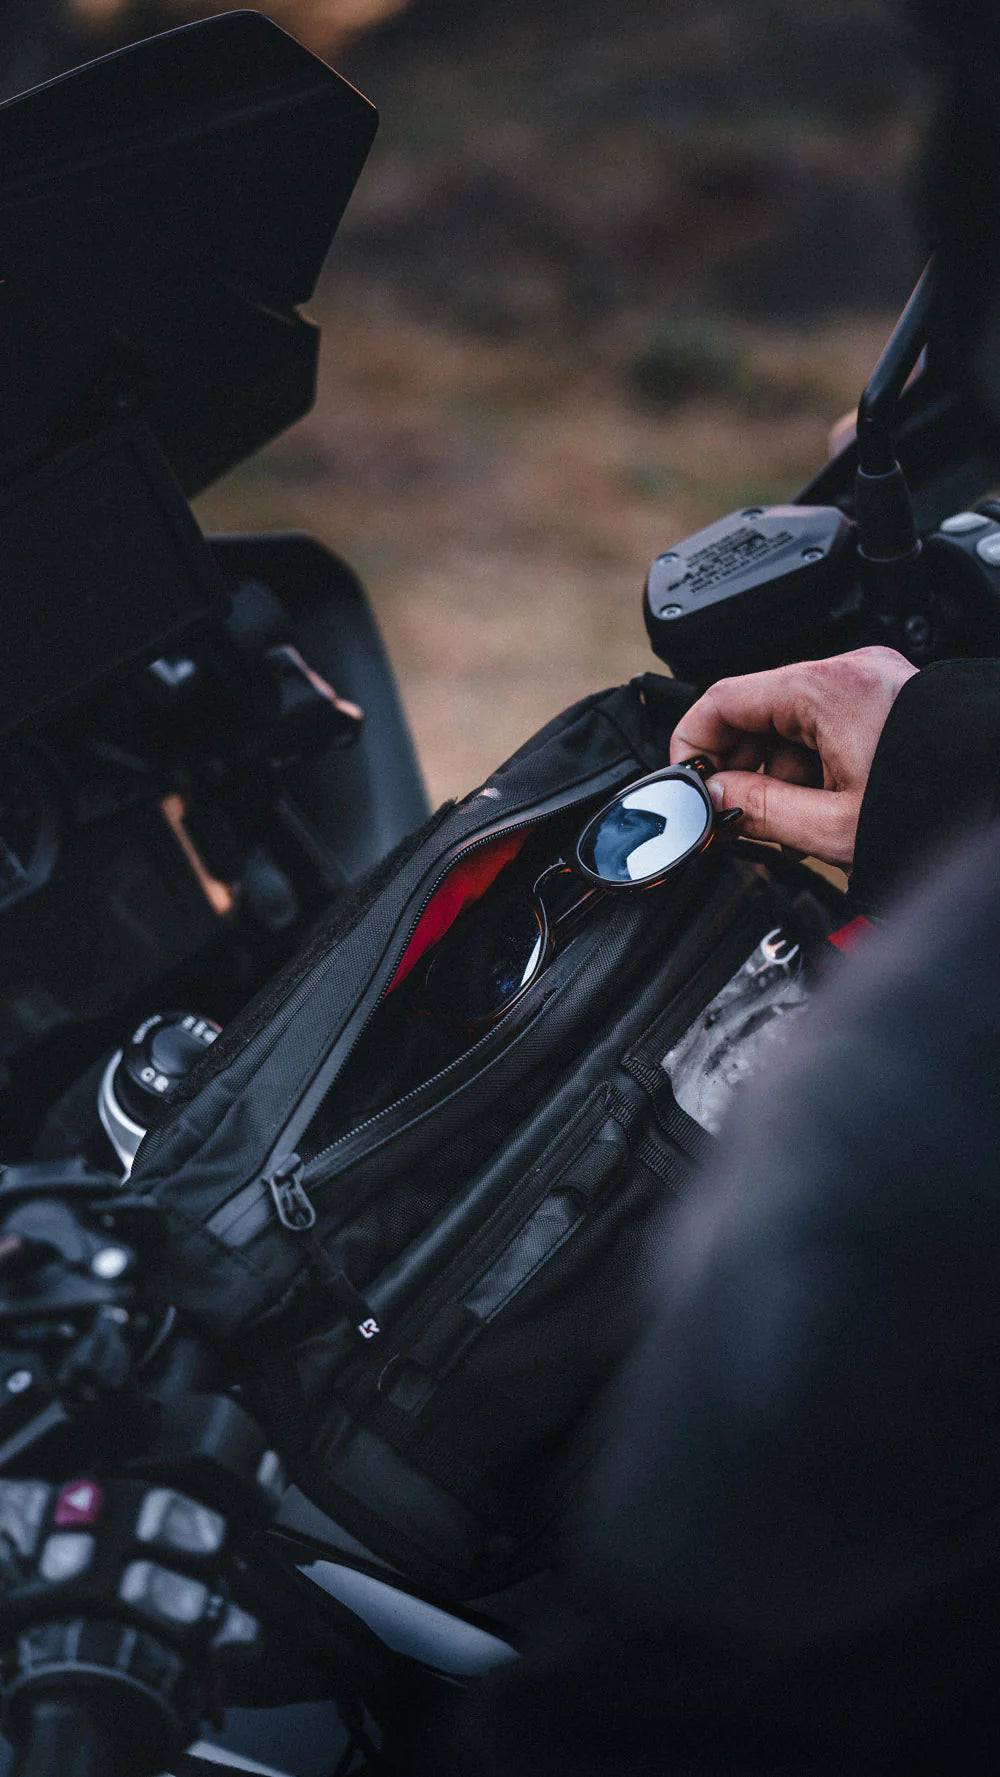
(61, 1737)
(98, 1698)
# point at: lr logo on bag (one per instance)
(368, 1328)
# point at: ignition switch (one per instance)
(140, 1080)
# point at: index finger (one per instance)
(755, 704)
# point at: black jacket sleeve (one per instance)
(789, 1559)
(936, 772)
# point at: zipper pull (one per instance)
(291, 1200)
(296, 1212)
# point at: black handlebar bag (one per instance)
(424, 1252)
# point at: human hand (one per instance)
(813, 728)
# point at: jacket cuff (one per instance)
(936, 773)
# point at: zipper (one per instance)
(620, 1102)
(323, 1080)
(317, 1163)
(295, 1208)
(281, 1176)
(297, 1213)
(549, 1225)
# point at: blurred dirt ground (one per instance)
(610, 273)
(612, 270)
(502, 501)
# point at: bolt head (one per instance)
(812, 554)
(18, 1381)
(917, 631)
(109, 1263)
(670, 611)
(671, 555)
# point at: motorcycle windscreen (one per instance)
(163, 212)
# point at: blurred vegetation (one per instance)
(687, 358)
(611, 271)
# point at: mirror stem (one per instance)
(889, 552)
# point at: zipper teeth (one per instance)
(712, 967)
(474, 845)
(462, 850)
(460, 1062)
(500, 1227)
(315, 1161)
(291, 1136)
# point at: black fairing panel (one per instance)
(354, 805)
(163, 211)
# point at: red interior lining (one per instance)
(464, 883)
(472, 875)
(847, 936)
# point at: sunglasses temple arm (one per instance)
(570, 915)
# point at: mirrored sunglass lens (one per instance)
(647, 832)
(484, 963)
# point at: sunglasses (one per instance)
(494, 953)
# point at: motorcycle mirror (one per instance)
(890, 559)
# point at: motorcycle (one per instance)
(203, 748)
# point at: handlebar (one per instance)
(115, 1603)
(61, 1734)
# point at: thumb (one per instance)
(820, 822)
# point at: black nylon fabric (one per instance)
(335, 925)
(527, 1092)
(497, 1344)
(221, 1137)
(489, 1222)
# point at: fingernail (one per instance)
(716, 790)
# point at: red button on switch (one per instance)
(79, 1502)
